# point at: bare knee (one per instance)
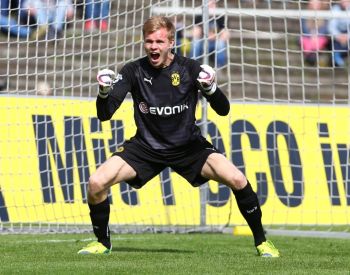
(96, 189)
(237, 181)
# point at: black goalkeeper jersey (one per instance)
(164, 101)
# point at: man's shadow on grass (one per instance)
(151, 250)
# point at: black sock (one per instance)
(249, 207)
(99, 214)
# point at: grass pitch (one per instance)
(171, 254)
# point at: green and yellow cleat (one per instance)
(95, 248)
(267, 249)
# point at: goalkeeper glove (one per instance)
(105, 79)
(206, 80)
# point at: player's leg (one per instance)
(220, 169)
(131, 163)
(113, 171)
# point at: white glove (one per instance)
(206, 80)
(105, 79)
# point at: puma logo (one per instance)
(252, 210)
(148, 80)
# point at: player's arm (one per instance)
(112, 91)
(206, 83)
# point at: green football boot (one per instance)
(267, 249)
(95, 248)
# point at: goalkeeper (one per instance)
(164, 88)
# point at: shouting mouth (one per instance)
(154, 57)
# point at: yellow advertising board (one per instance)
(295, 156)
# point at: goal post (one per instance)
(288, 129)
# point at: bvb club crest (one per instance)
(175, 79)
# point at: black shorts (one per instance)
(187, 161)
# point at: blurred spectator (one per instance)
(314, 36)
(338, 28)
(96, 15)
(182, 43)
(217, 37)
(50, 15)
(9, 22)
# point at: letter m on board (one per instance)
(48, 149)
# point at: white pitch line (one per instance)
(74, 240)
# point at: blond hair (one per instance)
(155, 23)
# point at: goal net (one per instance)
(288, 129)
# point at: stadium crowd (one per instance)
(48, 19)
(325, 35)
